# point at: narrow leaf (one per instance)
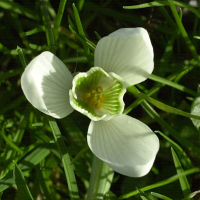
(22, 57)
(183, 180)
(10, 143)
(25, 165)
(160, 105)
(173, 84)
(10, 73)
(69, 172)
(161, 183)
(23, 189)
(160, 196)
(163, 3)
(79, 154)
(195, 109)
(59, 17)
(17, 8)
(48, 29)
(143, 195)
(184, 158)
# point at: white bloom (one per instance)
(123, 58)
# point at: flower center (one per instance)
(94, 97)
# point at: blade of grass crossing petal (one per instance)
(184, 158)
(161, 105)
(47, 24)
(59, 18)
(182, 29)
(160, 196)
(161, 183)
(100, 180)
(21, 184)
(183, 180)
(68, 168)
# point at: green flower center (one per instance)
(97, 94)
(94, 97)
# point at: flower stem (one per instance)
(100, 180)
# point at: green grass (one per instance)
(41, 157)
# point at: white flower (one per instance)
(123, 58)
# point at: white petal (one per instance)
(46, 82)
(128, 53)
(127, 145)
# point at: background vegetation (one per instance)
(36, 162)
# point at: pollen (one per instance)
(94, 97)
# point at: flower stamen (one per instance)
(94, 97)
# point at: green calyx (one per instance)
(97, 94)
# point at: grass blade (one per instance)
(173, 84)
(182, 29)
(23, 189)
(59, 18)
(48, 29)
(22, 57)
(160, 196)
(69, 172)
(163, 3)
(25, 165)
(183, 180)
(161, 105)
(43, 184)
(19, 9)
(161, 183)
(11, 144)
(143, 195)
(184, 158)
(10, 73)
